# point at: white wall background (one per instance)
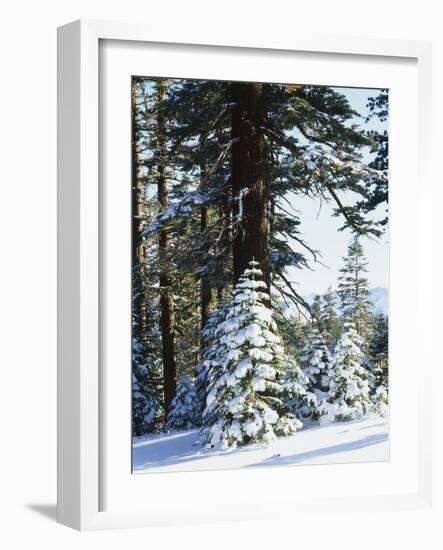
(28, 266)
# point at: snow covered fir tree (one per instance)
(244, 402)
(350, 382)
(316, 363)
(185, 412)
(378, 348)
(316, 360)
(259, 307)
(354, 291)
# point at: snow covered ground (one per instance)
(362, 441)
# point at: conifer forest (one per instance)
(252, 328)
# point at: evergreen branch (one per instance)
(284, 294)
(280, 139)
(295, 296)
(225, 109)
(311, 138)
(315, 253)
(285, 142)
(217, 163)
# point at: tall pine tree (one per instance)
(329, 319)
(167, 324)
(354, 291)
(261, 143)
(147, 382)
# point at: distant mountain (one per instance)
(379, 297)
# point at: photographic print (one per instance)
(259, 274)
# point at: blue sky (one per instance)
(320, 228)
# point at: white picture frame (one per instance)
(80, 411)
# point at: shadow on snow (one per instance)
(183, 447)
(325, 451)
(158, 452)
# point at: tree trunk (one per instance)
(136, 190)
(205, 284)
(166, 301)
(225, 245)
(138, 249)
(251, 220)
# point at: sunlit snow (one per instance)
(342, 442)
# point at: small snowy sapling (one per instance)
(349, 393)
(185, 410)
